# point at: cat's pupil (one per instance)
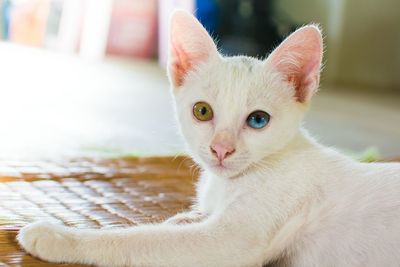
(203, 111)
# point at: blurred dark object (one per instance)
(248, 27)
(207, 14)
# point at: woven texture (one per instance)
(89, 194)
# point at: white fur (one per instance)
(281, 199)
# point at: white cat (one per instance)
(269, 194)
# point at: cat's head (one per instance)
(235, 111)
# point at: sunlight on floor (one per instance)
(54, 105)
(57, 105)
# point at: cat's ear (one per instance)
(299, 59)
(189, 44)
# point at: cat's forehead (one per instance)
(242, 62)
(230, 74)
(243, 80)
(240, 65)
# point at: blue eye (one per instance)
(258, 119)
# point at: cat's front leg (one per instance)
(212, 243)
(193, 216)
(48, 241)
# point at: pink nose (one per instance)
(221, 151)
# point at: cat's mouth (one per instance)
(225, 169)
(221, 166)
(230, 170)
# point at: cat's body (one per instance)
(269, 194)
(344, 213)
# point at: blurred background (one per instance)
(87, 77)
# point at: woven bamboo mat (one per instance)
(91, 194)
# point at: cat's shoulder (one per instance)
(383, 169)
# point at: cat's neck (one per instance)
(301, 143)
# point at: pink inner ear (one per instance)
(189, 45)
(305, 80)
(299, 59)
(180, 64)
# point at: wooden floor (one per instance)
(89, 194)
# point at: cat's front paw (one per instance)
(46, 241)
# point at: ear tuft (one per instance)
(299, 59)
(189, 45)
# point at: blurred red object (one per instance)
(133, 28)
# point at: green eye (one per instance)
(203, 111)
